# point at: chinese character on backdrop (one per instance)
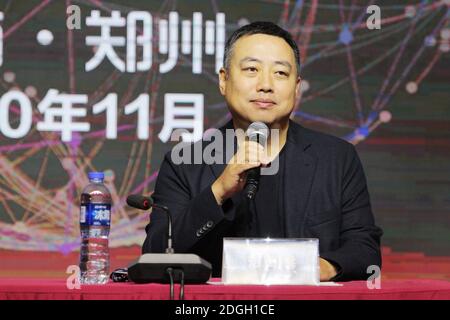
(214, 35)
(103, 44)
(183, 111)
(61, 119)
(138, 41)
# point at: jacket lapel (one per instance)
(299, 175)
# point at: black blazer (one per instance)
(326, 197)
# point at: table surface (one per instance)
(22, 288)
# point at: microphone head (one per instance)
(258, 131)
(139, 202)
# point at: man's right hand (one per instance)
(249, 155)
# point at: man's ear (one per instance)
(298, 84)
(223, 80)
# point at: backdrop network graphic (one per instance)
(41, 176)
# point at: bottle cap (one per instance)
(96, 175)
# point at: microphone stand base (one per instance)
(152, 267)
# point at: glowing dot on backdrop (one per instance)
(411, 87)
(385, 116)
(410, 11)
(9, 76)
(304, 86)
(31, 91)
(45, 37)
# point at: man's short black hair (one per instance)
(260, 27)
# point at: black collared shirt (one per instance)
(264, 215)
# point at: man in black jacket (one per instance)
(319, 190)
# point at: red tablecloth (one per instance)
(57, 289)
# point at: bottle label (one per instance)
(95, 214)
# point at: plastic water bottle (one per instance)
(95, 220)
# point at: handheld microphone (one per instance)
(158, 267)
(259, 132)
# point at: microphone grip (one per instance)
(252, 183)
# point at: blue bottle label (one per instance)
(95, 214)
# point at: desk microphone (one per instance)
(145, 203)
(158, 267)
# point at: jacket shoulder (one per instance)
(321, 140)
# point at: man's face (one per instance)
(261, 83)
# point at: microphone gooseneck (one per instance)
(144, 203)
